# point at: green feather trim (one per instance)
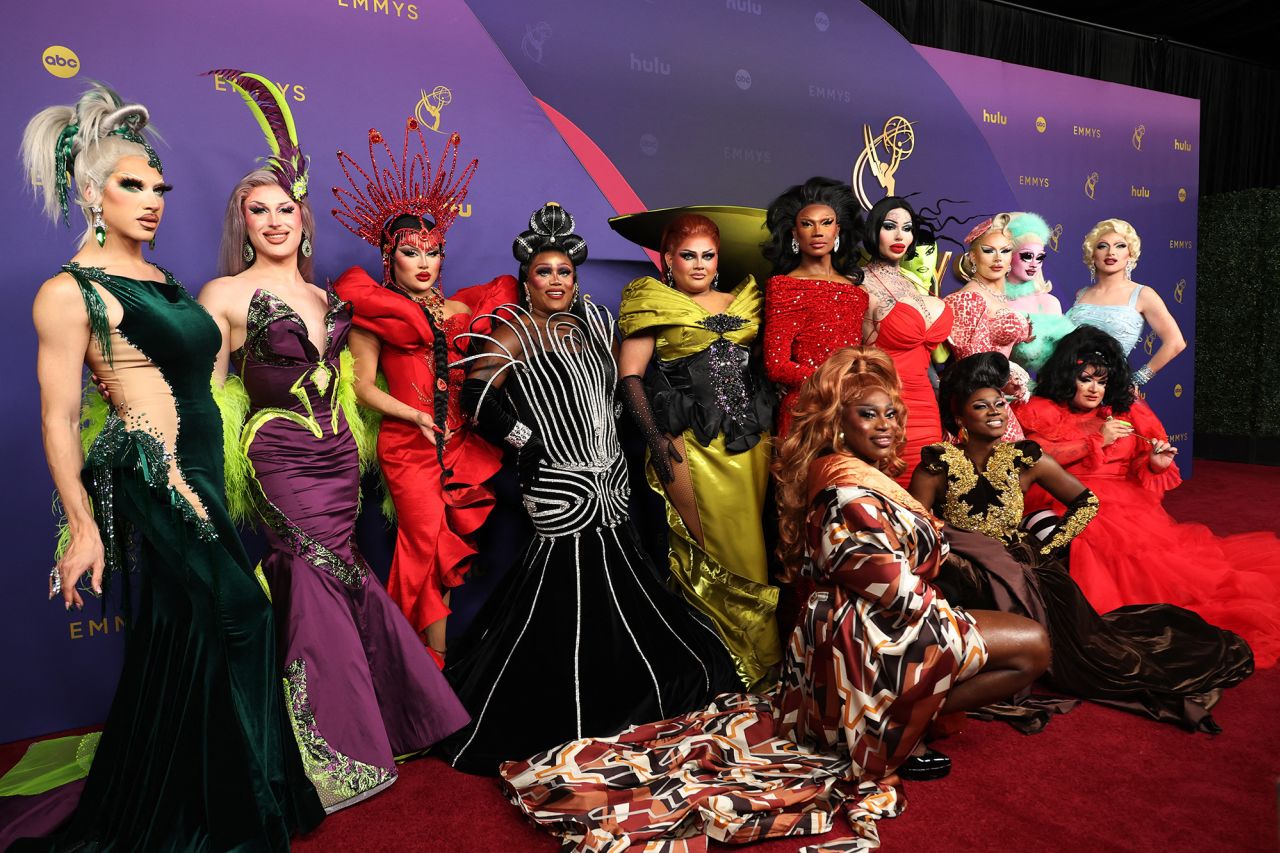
(362, 430)
(388, 505)
(373, 423)
(233, 404)
(94, 411)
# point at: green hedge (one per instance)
(1238, 315)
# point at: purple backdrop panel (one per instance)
(719, 103)
(1078, 151)
(346, 66)
(730, 102)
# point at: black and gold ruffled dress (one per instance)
(707, 390)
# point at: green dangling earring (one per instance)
(151, 244)
(99, 227)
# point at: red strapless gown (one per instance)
(435, 534)
(904, 336)
(1133, 552)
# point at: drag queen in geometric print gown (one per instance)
(1084, 414)
(361, 687)
(434, 466)
(877, 653)
(196, 752)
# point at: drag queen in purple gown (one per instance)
(361, 687)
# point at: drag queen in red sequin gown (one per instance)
(435, 468)
(813, 304)
(908, 325)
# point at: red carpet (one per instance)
(1094, 780)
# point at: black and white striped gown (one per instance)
(580, 639)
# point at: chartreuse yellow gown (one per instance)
(707, 389)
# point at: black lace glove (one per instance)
(493, 418)
(662, 450)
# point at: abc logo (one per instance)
(1041, 124)
(1182, 194)
(60, 61)
(743, 79)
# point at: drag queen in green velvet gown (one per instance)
(196, 752)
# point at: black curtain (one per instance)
(1239, 100)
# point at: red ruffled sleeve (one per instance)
(1050, 425)
(1147, 424)
(393, 318)
(485, 298)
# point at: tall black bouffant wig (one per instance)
(781, 219)
(963, 378)
(1087, 346)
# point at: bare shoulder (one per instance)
(60, 293)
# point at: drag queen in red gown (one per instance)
(906, 324)
(405, 328)
(813, 304)
(1085, 415)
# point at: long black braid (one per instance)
(440, 394)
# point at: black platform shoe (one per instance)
(931, 765)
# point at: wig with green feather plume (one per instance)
(268, 105)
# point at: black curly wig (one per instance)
(1087, 346)
(781, 220)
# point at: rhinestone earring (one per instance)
(671, 280)
(715, 281)
(305, 248)
(795, 246)
(248, 253)
(1093, 274)
(99, 227)
(835, 247)
(1128, 270)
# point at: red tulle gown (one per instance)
(435, 536)
(1134, 552)
(909, 342)
(805, 320)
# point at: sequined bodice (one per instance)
(279, 363)
(990, 501)
(1122, 322)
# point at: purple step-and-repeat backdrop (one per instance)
(606, 108)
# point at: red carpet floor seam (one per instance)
(1095, 779)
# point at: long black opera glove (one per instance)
(493, 418)
(662, 450)
(1080, 511)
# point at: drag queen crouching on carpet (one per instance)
(581, 638)
(877, 654)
